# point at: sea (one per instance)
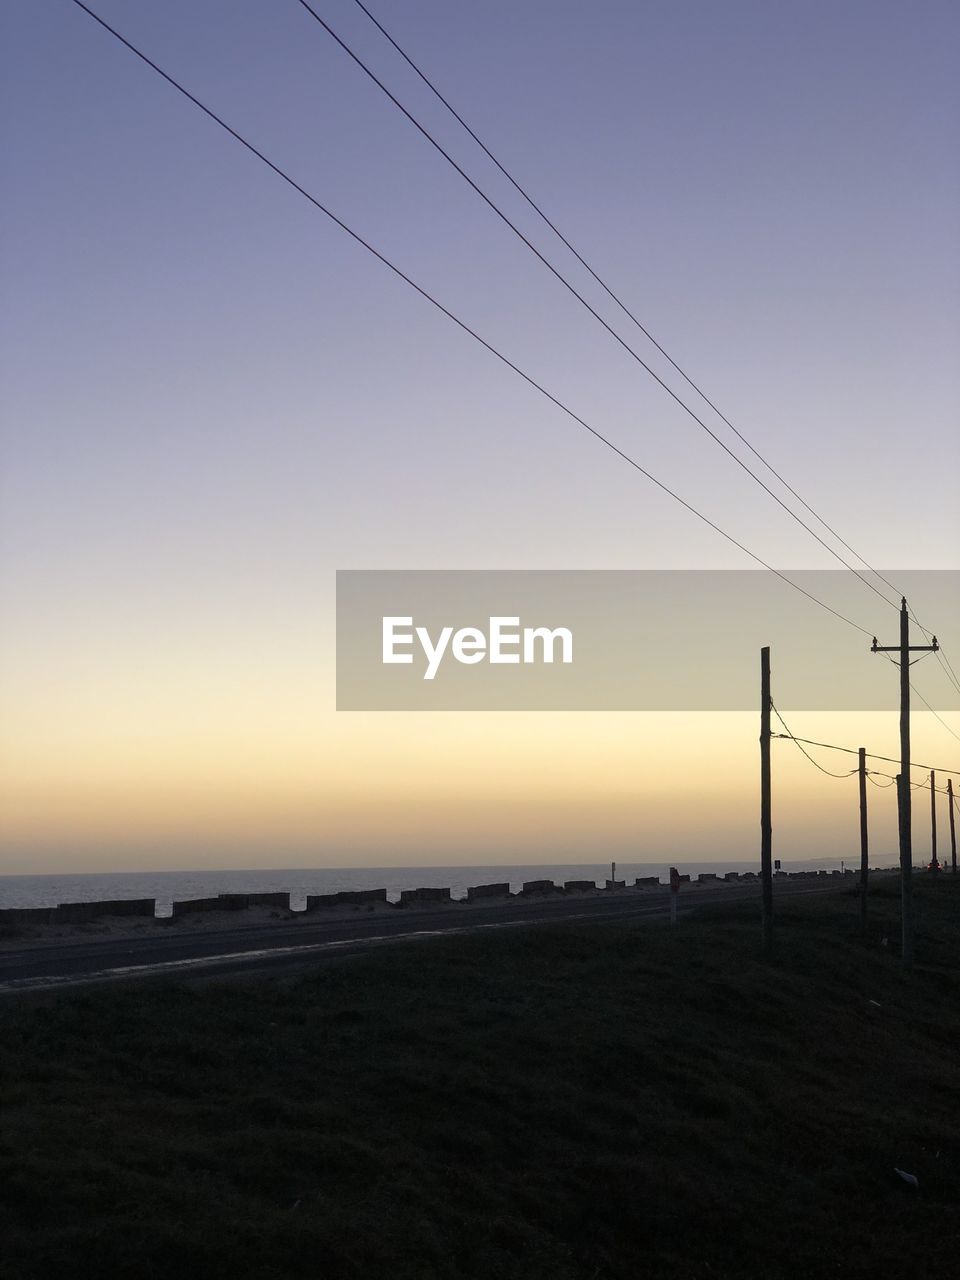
(168, 887)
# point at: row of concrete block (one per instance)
(475, 893)
(78, 912)
(351, 898)
(232, 902)
(82, 912)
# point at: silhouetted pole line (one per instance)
(953, 829)
(903, 784)
(765, 736)
(906, 835)
(766, 824)
(864, 846)
(863, 774)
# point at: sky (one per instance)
(213, 399)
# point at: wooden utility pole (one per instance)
(904, 648)
(766, 826)
(934, 860)
(953, 829)
(864, 853)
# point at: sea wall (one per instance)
(72, 913)
(539, 886)
(488, 891)
(80, 912)
(240, 901)
(347, 898)
(410, 897)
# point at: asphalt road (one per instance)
(185, 954)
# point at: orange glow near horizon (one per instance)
(290, 789)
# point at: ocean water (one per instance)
(170, 886)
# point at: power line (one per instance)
(941, 657)
(925, 786)
(355, 236)
(852, 751)
(610, 292)
(936, 714)
(796, 741)
(914, 688)
(582, 300)
(538, 209)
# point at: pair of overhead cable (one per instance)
(939, 654)
(538, 209)
(427, 296)
(796, 741)
(936, 714)
(579, 296)
(853, 751)
(260, 155)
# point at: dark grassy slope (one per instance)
(559, 1102)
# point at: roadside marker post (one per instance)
(674, 893)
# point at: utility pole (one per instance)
(934, 860)
(904, 648)
(953, 829)
(864, 854)
(766, 827)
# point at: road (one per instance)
(276, 948)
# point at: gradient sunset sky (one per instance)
(213, 400)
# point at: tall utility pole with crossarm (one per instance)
(904, 648)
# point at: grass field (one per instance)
(565, 1102)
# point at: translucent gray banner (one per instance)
(637, 640)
